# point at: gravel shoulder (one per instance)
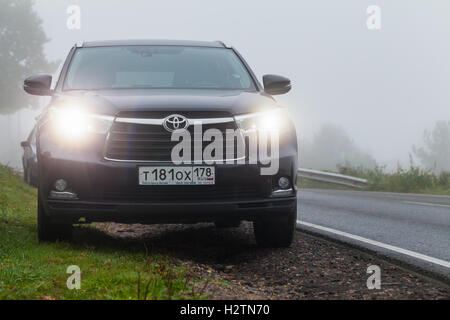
(312, 268)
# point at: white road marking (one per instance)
(378, 244)
(427, 204)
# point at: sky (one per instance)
(384, 87)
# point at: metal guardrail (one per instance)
(332, 178)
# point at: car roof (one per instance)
(109, 43)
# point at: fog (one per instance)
(383, 87)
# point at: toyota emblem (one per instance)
(175, 122)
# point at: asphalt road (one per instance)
(411, 228)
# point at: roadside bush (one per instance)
(444, 179)
(413, 179)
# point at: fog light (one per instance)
(60, 185)
(284, 183)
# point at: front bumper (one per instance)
(187, 212)
(109, 190)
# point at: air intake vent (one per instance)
(152, 142)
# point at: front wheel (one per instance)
(278, 233)
(48, 230)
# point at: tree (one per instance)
(435, 152)
(331, 149)
(22, 40)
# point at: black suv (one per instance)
(107, 145)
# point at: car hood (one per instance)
(111, 102)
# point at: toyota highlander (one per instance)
(108, 143)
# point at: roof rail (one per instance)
(222, 43)
(79, 44)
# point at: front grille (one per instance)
(151, 142)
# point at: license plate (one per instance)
(191, 175)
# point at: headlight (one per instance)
(73, 123)
(272, 120)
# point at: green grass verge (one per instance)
(412, 180)
(110, 268)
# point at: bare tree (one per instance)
(22, 42)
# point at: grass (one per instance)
(411, 180)
(110, 268)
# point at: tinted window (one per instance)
(156, 67)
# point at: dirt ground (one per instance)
(312, 268)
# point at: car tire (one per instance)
(276, 233)
(33, 181)
(228, 224)
(49, 231)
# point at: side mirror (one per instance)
(38, 85)
(274, 84)
(24, 144)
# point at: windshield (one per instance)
(172, 67)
